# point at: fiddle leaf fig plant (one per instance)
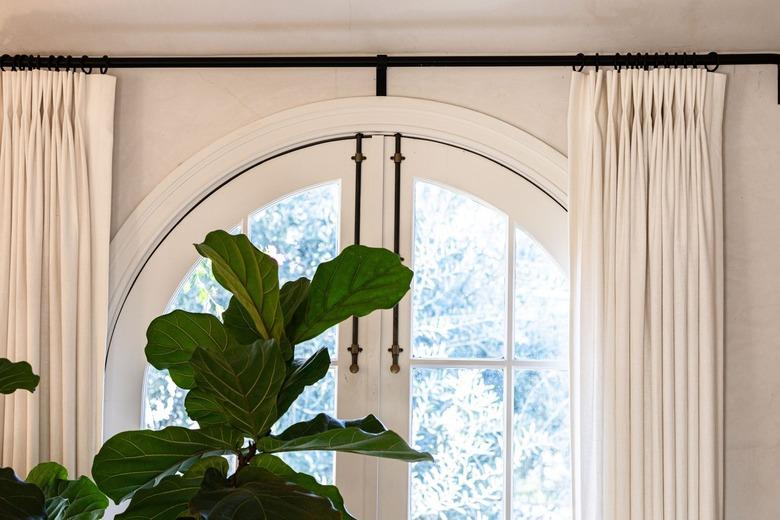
(242, 375)
(46, 493)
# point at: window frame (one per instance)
(526, 206)
(185, 192)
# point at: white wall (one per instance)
(163, 117)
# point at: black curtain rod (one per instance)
(578, 61)
(381, 62)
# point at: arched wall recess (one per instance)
(216, 164)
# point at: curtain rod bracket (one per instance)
(381, 74)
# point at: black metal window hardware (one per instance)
(382, 62)
(395, 349)
(381, 75)
(355, 349)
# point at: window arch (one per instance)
(532, 247)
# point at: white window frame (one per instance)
(153, 228)
(526, 207)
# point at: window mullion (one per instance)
(509, 372)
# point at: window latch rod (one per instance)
(395, 350)
(355, 349)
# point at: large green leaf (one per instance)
(238, 322)
(133, 460)
(258, 494)
(244, 381)
(47, 476)
(67, 499)
(15, 376)
(84, 500)
(199, 468)
(292, 295)
(277, 466)
(19, 500)
(252, 277)
(55, 507)
(168, 500)
(172, 338)
(301, 374)
(358, 281)
(202, 407)
(365, 436)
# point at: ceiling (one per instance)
(232, 27)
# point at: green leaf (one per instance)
(358, 281)
(258, 495)
(201, 465)
(239, 324)
(172, 338)
(292, 296)
(46, 476)
(14, 376)
(67, 499)
(55, 507)
(19, 500)
(365, 436)
(301, 374)
(84, 500)
(168, 500)
(202, 407)
(244, 381)
(252, 277)
(277, 466)
(133, 460)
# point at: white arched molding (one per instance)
(197, 177)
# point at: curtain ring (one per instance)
(647, 61)
(104, 68)
(597, 62)
(15, 63)
(3, 58)
(581, 56)
(59, 63)
(50, 61)
(628, 61)
(715, 61)
(85, 70)
(69, 64)
(694, 65)
(617, 62)
(685, 60)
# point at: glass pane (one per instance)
(318, 398)
(301, 231)
(541, 309)
(458, 416)
(460, 263)
(540, 445)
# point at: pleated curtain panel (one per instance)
(55, 196)
(646, 238)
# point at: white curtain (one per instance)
(56, 143)
(646, 237)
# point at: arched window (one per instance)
(483, 380)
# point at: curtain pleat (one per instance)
(55, 184)
(646, 231)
